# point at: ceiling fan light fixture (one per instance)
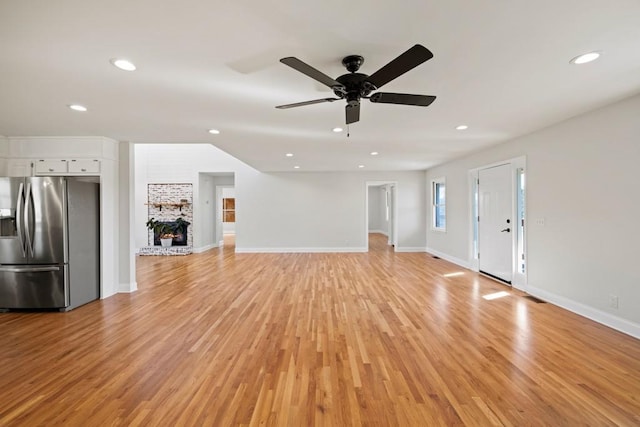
(337, 130)
(585, 58)
(78, 107)
(123, 64)
(462, 127)
(214, 131)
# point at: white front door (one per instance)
(495, 227)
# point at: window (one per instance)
(439, 217)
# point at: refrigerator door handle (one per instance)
(20, 219)
(28, 207)
(14, 269)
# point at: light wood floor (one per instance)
(222, 339)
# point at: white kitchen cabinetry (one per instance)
(19, 167)
(67, 167)
(51, 167)
(84, 166)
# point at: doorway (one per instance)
(498, 221)
(225, 216)
(380, 214)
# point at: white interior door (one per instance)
(495, 225)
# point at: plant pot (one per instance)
(166, 243)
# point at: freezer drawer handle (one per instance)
(28, 269)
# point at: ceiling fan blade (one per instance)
(352, 112)
(307, 69)
(403, 63)
(402, 98)
(300, 104)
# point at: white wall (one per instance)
(374, 209)
(126, 200)
(198, 164)
(582, 180)
(4, 154)
(322, 211)
(282, 211)
(204, 236)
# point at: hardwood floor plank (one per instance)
(377, 338)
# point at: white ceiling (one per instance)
(501, 67)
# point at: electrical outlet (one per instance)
(540, 221)
(613, 301)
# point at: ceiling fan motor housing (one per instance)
(355, 86)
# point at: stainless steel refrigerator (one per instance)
(49, 242)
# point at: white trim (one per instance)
(204, 248)
(604, 318)
(220, 243)
(462, 263)
(108, 295)
(474, 263)
(297, 250)
(127, 288)
(411, 249)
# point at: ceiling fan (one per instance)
(354, 86)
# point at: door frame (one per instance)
(393, 213)
(219, 229)
(519, 279)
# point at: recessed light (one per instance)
(462, 127)
(337, 130)
(585, 57)
(289, 154)
(374, 153)
(123, 64)
(296, 167)
(214, 131)
(360, 166)
(78, 107)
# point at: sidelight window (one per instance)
(438, 199)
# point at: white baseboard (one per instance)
(607, 319)
(409, 249)
(296, 250)
(221, 243)
(107, 295)
(127, 288)
(204, 248)
(457, 261)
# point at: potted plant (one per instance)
(164, 231)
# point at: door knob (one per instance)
(506, 229)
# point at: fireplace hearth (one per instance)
(178, 230)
